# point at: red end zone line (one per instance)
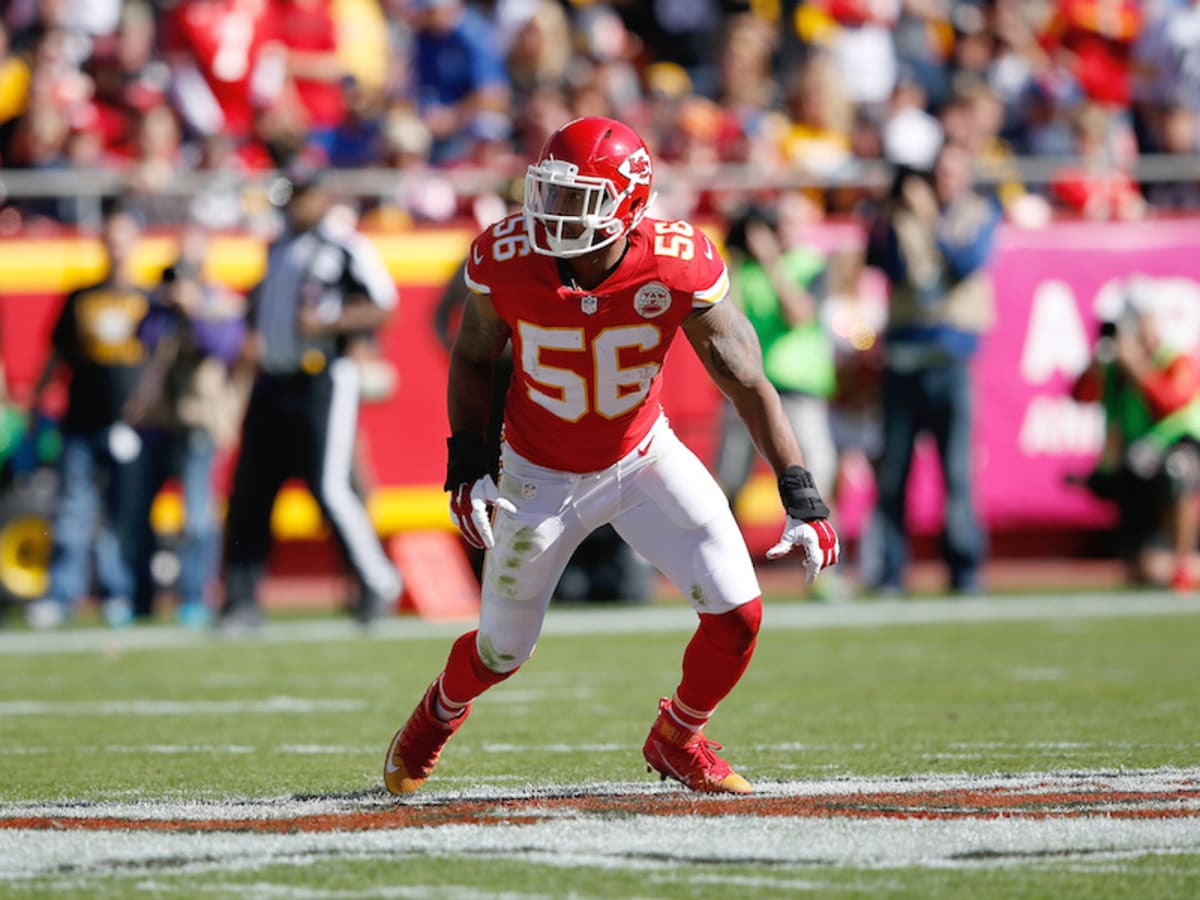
(932, 805)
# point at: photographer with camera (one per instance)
(1150, 463)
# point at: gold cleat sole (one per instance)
(733, 783)
(395, 777)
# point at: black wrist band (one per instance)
(467, 459)
(799, 494)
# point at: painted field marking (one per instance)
(919, 821)
(155, 708)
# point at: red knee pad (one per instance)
(733, 632)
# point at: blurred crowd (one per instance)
(438, 89)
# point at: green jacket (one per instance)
(1126, 407)
(796, 359)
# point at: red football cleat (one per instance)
(1184, 582)
(688, 757)
(416, 747)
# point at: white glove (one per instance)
(469, 504)
(817, 541)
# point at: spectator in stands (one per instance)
(973, 119)
(314, 68)
(157, 163)
(749, 91)
(357, 141)
(1096, 39)
(363, 40)
(604, 71)
(687, 34)
(1150, 464)
(144, 74)
(226, 63)
(544, 110)
(817, 139)
(780, 289)
(858, 35)
(423, 194)
(911, 136)
(974, 44)
(14, 86)
(96, 338)
(1167, 86)
(129, 80)
(1178, 133)
(187, 407)
(458, 74)
(932, 240)
(541, 51)
(1097, 188)
(693, 144)
(923, 47)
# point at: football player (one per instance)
(591, 293)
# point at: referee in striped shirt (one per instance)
(324, 288)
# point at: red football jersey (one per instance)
(225, 38)
(587, 365)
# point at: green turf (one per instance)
(1063, 695)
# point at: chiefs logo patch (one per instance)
(652, 300)
(636, 167)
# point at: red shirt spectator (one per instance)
(1099, 35)
(225, 42)
(1096, 188)
(307, 29)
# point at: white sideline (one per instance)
(605, 619)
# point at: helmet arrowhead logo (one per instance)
(636, 166)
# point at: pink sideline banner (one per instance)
(1052, 287)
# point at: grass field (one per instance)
(1021, 746)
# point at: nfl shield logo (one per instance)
(529, 490)
(589, 305)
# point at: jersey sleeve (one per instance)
(478, 272)
(711, 277)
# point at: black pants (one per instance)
(300, 426)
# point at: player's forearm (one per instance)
(363, 317)
(768, 426)
(469, 403)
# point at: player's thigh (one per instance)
(532, 548)
(682, 523)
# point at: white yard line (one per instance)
(646, 842)
(642, 841)
(570, 837)
(156, 708)
(674, 617)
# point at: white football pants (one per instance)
(660, 498)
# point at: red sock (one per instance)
(465, 676)
(714, 661)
